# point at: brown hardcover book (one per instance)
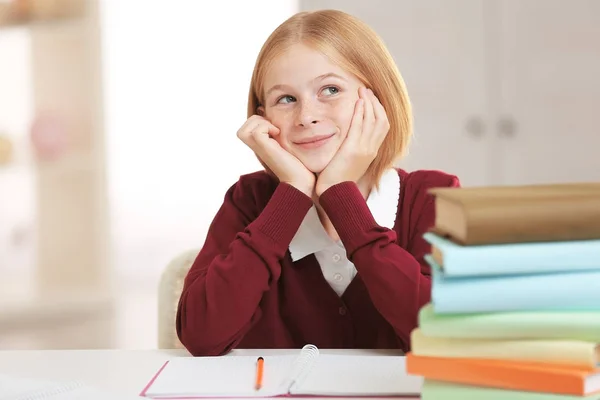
(517, 214)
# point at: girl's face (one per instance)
(312, 102)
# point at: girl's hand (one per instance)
(257, 133)
(368, 129)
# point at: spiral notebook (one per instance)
(307, 374)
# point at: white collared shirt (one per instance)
(311, 237)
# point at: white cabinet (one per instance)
(17, 221)
(504, 92)
(547, 80)
(54, 269)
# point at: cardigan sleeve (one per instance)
(397, 279)
(222, 291)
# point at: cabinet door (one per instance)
(17, 221)
(439, 46)
(549, 90)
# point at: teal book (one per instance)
(569, 291)
(559, 325)
(438, 390)
(515, 258)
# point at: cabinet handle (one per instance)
(20, 235)
(475, 127)
(507, 127)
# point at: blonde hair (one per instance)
(355, 47)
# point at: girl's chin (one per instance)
(315, 166)
(317, 161)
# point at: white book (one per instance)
(307, 374)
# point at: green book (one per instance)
(437, 390)
(569, 325)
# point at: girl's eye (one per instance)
(286, 99)
(330, 90)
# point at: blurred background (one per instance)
(118, 121)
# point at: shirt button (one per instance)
(342, 310)
(336, 257)
(338, 277)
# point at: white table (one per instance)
(120, 371)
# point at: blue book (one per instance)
(568, 291)
(514, 258)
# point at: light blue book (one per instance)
(516, 258)
(567, 291)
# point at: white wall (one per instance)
(176, 81)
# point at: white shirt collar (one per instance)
(383, 204)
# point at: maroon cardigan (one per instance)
(244, 291)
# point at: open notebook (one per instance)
(308, 373)
(19, 388)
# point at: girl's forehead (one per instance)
(301, 63)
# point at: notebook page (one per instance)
(17, 388)
(225, 376)
(85, 393)
(351, 375)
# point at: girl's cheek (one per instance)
(343, 111)
(281, 121)
(277, 117)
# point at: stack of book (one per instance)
(515, 309)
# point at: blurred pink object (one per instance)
(48, 137)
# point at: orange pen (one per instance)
(259, 373)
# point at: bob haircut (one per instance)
(354, 46)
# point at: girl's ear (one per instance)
(260, 111)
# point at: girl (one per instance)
(325, 246)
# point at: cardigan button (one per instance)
(342, 310)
